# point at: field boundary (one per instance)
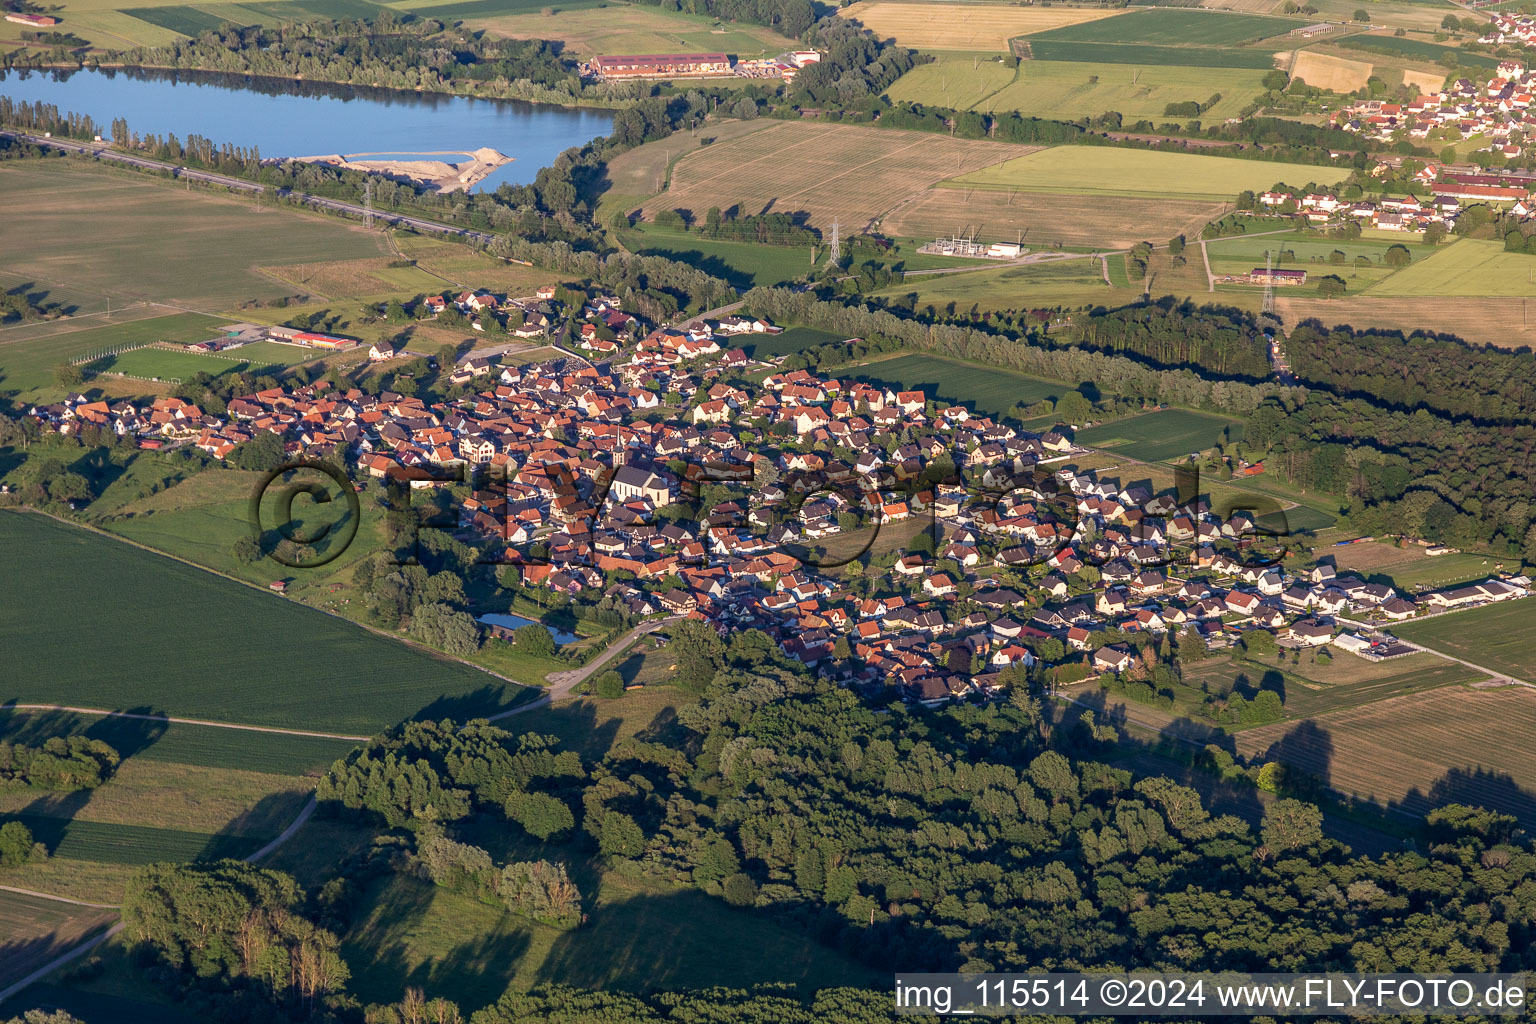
(182, 721)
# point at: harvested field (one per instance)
(1092, 171)
(1417, 752)
(624, 29)
(828, 171)
(34, 930)
(1174, 27)
(1046, 219)
(1424, 81)
(962, 26)
(642, 171)
(1336, 74)
(1500, 322)
(333, 278)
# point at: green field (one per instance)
(744, 264)
(983, 388)
(154, 241)
(1418, 49)
(1071, 89)
(167, 365)
(189, 21)
(794, 339)
(1087, 170)
(1076, 282)
(465, 9)
(179, 743)
(1496, 635)
(1172, 27)
(29, 364)
(194, 645)
(1141, 53)
(1161, 435)
(1468, 266)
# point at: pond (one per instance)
(283, 118)
(511, 621)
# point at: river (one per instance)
(290, 118)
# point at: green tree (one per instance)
(1072, 407)
(535, 639)
(620, 836)
(540, 814)
(740, 890)
(17, 846)
(610, 684)
(68, 375)
(1291, 825)
(1259, 641)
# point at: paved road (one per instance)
(101, 151)
(562, 683)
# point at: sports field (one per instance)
(151, 240)
(29, 364)
(983, 388)
(1469, 266)
(978, 27)
(849, 173)
(1086, 170)
(202, 646)
(626, 29)
(167, 365)
(1419, 751)
(1071, 89)
(1046, 219)
(1173, 27)
(1495, 635)
(1165, 434)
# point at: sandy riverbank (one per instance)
(436, 174)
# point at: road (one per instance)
(562, 683)
(91, 943)
(101, 151)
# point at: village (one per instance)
(679, 476)
(696, 65)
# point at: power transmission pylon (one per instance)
(1269, 283)
(833, 257)
(368, 204)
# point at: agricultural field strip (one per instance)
(182, 721)
(59, 899)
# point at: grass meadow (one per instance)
(1086, 170)
(1075, 282)
(621, 28)
(744, 264)
(93, 622)
(1173, 27)
(1495, 635)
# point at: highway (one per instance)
(101, 151)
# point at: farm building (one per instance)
(1263, 275)
(663, 65)
(309, 339)
(31, 20)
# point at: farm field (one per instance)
(1173, 27)
(1162, 435)
(150, 240)
(241, 657)
(744, 264)
(26, 365)
(1501, 322)
(1049, 219)
(1127, 172)
(1418, 49)
(1071, 282)
(1495, 635)
(1393, 13)
(642, 171)
(180, 743)
(621, 28)
(1467, 266)
(1417, 752)
(34, 930)
(794, 339)
(985, 389)
(829, 171)
(450, 10)
(1325, 71)
(1070, 89)
(341, 279)
(1142, 53)
(940, 26)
